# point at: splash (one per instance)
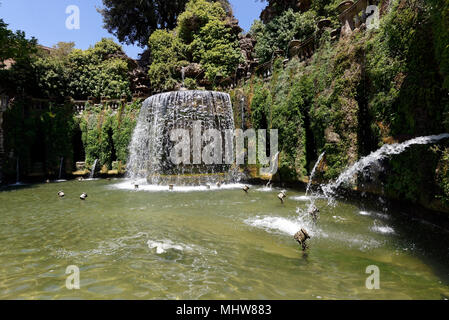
(383, 153)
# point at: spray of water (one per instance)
(384, 152)
(313, 172)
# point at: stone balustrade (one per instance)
(353, 14)
(79, 106)
(265, 70)
(303, 49)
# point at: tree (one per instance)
(132, 22)
(99, 71)
(197, 14)
(15, 47)
(278, 33)
(201, 36)
(217, 49)
(165, 50)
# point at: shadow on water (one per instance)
(17, 187)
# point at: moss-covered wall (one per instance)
(363, 90)
(39, 137)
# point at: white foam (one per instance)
(365, 213)
(287, 226)
(383, 229)
(143, 186)
(301, 198)
(375, 214)
(163, 246)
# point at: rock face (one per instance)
(139, 82)
(193, 70)
(233, 24)
(247, 44)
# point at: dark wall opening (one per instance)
(79, 154)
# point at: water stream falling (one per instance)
(17, 172)
(312, 174)
(92, 172)
(183, 75)
(60, 168)
(151, 145)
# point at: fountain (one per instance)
(384, 152)
(151, 146)
(92, 171)
(312, 174)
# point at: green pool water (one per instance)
(217, 244)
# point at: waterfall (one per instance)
(92, 172)
(60, 168)
(17, 172)
(150, 146)
(383, 153)
(183, 74)
(312, 174)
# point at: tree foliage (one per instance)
(201, 36)
(132, 22)
(279, 32)
(14, 45)
(100, 71)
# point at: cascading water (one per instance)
(151, 145)
(92, 172)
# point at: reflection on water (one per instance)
(208, 244)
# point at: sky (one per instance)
(46, 20)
